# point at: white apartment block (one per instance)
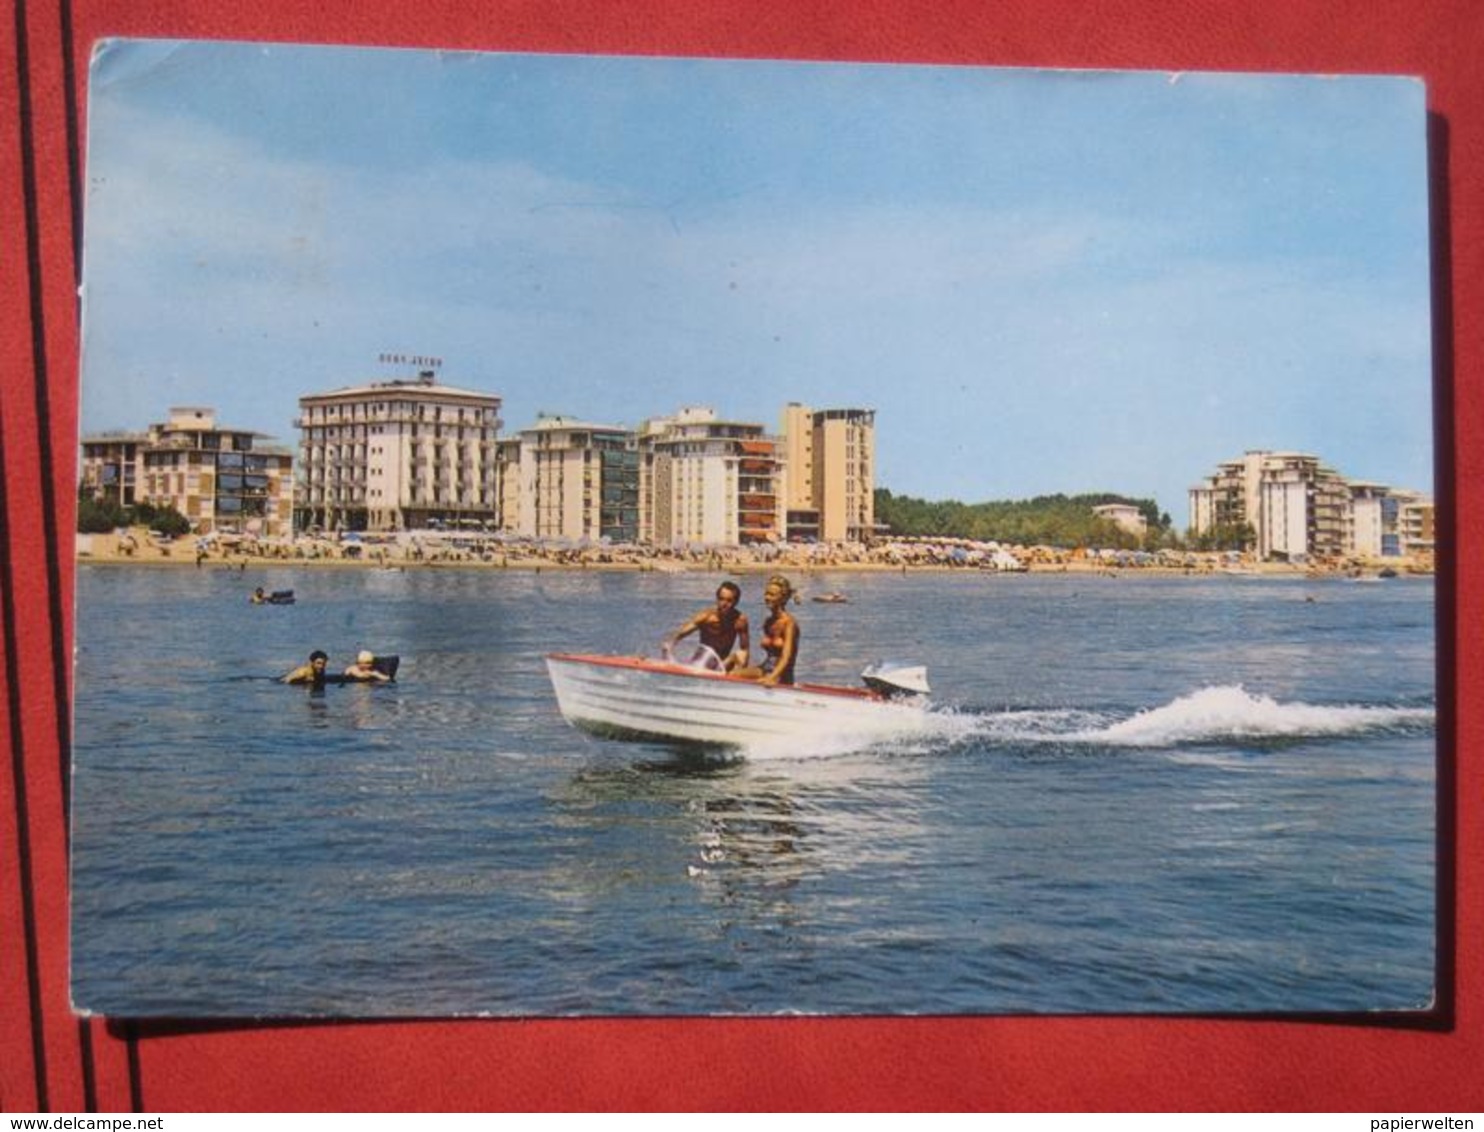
(1409, 525)
(1367, 518)
(575, 481)
(398, 455)
(1297, 508)
(221, 479)
(830, 491)
(710, 482)
(1302, 508)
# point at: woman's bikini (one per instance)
(773, 648)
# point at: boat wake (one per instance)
(1208, 716)
(1214, 715)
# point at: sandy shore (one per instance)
(139, 549)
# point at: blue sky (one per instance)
(1043, 281)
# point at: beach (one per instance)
(431, 550)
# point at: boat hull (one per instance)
(622, 697)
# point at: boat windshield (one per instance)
(702, 657)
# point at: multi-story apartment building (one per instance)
(398, 455)
(801, 510)
(1302, 508)
(1221, 501)
(797, 430)
(1294, 507)
(830, 491)
(573, 480)
(654, 494)
(110, 465)
(507, 483)
(221, 479)
(1367, 506)
(1409, 525)
(710, 482)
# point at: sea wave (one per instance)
(1216, 714)
(1208, 715)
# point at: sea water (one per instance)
(1131, 795)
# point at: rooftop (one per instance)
(423, 385)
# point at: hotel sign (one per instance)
(420, 360)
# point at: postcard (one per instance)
(607, 536)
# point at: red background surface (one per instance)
(50, 1059)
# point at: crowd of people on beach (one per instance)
(417, 551)
(412, 550)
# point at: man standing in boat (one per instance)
(722, 629)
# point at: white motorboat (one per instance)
(630, 697)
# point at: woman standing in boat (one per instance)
(780, 636)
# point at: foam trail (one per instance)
(1232, 712)
(1210, 715)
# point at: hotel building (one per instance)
(831, 486)
(710, 482)
(397, 455)
(221, 479)
(1296, 508)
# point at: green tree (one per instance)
(168, 521)
(1224, 536)
(1056, 520)
(98, 516)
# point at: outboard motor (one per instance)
(896, 680)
